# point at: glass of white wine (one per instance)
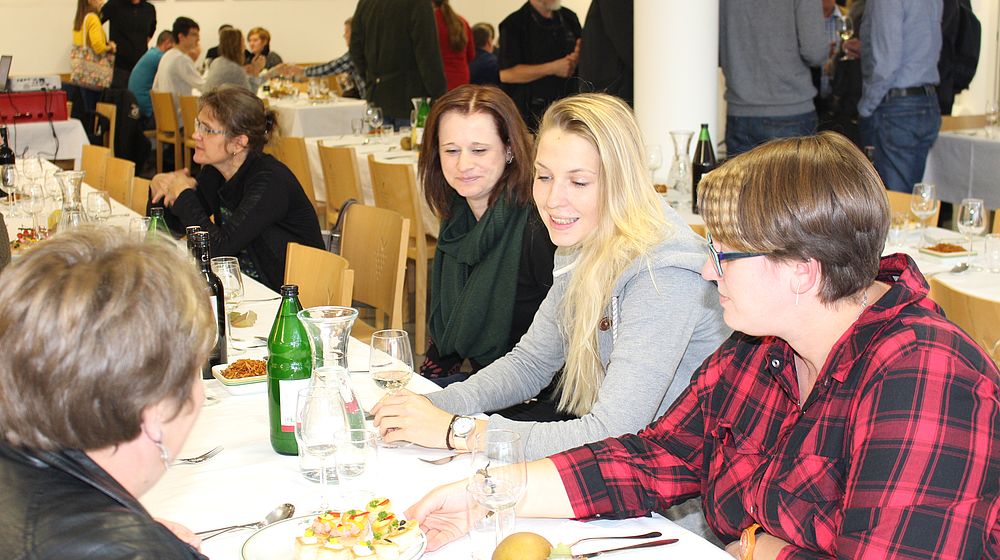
(391, 360)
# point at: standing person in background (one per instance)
(606, 51)
(765, 50)
(394, 45)
(539, 51)
(823, 75)
(141, 79)
(354, 85)
(455, 40)
(259, 42)
(87, 31)
(132, 24)
(483, 69)
(900, 114)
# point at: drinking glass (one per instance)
(391, 360)
(34, 204)
(991, 252)
(228, 271)
(897, 228)
(138, 227)
(8, 180)
(319, 418)
(654, 159)
(845, 29)
(357, 126)
(356, 455)
(374, 117)
(31, 167)
(496, 485)
(971, 220)
(98, 206)
(992, 116)
(923, 204)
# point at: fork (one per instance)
(440, 461)
(651, 535)
(201, 458)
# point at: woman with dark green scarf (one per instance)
(493, 265)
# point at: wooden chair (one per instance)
(168, 130)
(996, 221)
(189, 113)
(341, 177)
(94, 163)
(110, 111)
(374, 244)
(977, 316)
(139, 196)
(900, 202)
(395, 187)
(963, 122)
(323, 277)
(292, 152)
(118, 181)
(698, 228)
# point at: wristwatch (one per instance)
(748, 541)
(459, 430)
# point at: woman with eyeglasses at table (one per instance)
(103, 340)
(257, 204)
(845, 418)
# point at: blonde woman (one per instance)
(628, 317)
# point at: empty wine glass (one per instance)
(845, 29)
(357, 126)
(992, 116)
(375, 118)
(319, 419)
(34, 204)
(971, 221)
(924, 204)
(9, 180)
(496, 484)
(654, 159)
(228, 271)
(356, 455)
(98, 206)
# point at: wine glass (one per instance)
(390, 363)
(98, 206)
(319, 419)
(845, 29)
(356, 455)
(971, 221)
(496, 484)
(924, 204)
(9, 180)
(992, 116)
(34, 204)
(357, 126)
(228, 271)
(654, 159)
(374, 117)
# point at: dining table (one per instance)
(965, 164)
(976, 280)
(55, 140)
(301, 116)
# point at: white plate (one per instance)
(245, 386)
(277, 541)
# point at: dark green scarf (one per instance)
(475, 279)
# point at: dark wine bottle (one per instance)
(7, 173)
(289, 367)
(203, 255)
(190, 231)
(704, 161)
(6, 154)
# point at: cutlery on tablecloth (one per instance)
(589, 555)
(650, 535)
(201, 458)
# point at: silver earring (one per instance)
(510, 157)
(164, 454)
(797, 294)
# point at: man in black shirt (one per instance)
(539, 50)
(132, 25)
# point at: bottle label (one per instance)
(288, 394)
(418, 134)
(213, 301)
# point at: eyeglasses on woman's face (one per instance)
(203, 129)
(719, 256)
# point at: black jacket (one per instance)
(62, 505)
(257, 212)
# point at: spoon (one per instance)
(280, 513)
(960, 268)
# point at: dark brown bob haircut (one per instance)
(240, 112)
(514, 182)
(95, 329)
(814, 197)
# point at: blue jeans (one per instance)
(744, 133)
(902, 130)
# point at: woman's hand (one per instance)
(168, 186)
(256, 65)
(852, 48)
(112, 46)
(406, 416)
(181, 532)
(441, 514)
(289, 70)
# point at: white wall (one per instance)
(37, 32)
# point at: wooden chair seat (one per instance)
(976, 315)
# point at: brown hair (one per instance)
(263, 34)
(231, 45)
(515, 181)
(83, 8)
(240, 112)
(815, 197)
(457, 36)
(95, 329)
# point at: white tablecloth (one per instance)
(300, 117)
(964, 164)
(974, 281)
(60, 140)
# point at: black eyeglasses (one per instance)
(718, 256)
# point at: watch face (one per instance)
(463, 425)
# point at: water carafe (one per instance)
(71, 215)
(680, 167)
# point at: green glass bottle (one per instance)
(289, 366)
(157, 223)
(421, 124)
(704, 161)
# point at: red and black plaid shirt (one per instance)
(895, 453)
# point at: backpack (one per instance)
(966, 41)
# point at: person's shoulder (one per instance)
(518, 17)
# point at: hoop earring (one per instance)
(164, 454)
(510, 156)
(797, 285)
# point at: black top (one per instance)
(63, 505)
(606, 49)
(257, 213)
(528, 38)
(484, 69)
(132, 26)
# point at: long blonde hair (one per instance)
(630, 225)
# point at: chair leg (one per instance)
(421, 305)
(159, 156)
(178, 155)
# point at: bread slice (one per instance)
(306, 548)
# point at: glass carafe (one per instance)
(72, 213)
(680, 168)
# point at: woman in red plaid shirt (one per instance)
(846, 417)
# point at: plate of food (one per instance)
(242, 376)
(374, 533)
(946, 249)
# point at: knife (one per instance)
(589, 555)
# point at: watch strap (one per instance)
(748, 541)
(451, 430)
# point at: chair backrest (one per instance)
(395, 187)
(189, 112)
(139, 196)
(118, 181)
(950, 122)
(900, 202)
(374, 244)
(94, 163)
(164, 112)
(976, 315)
(323, 277)
(340, 174)
(109, 110)
(292, 152)
(996, 221)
